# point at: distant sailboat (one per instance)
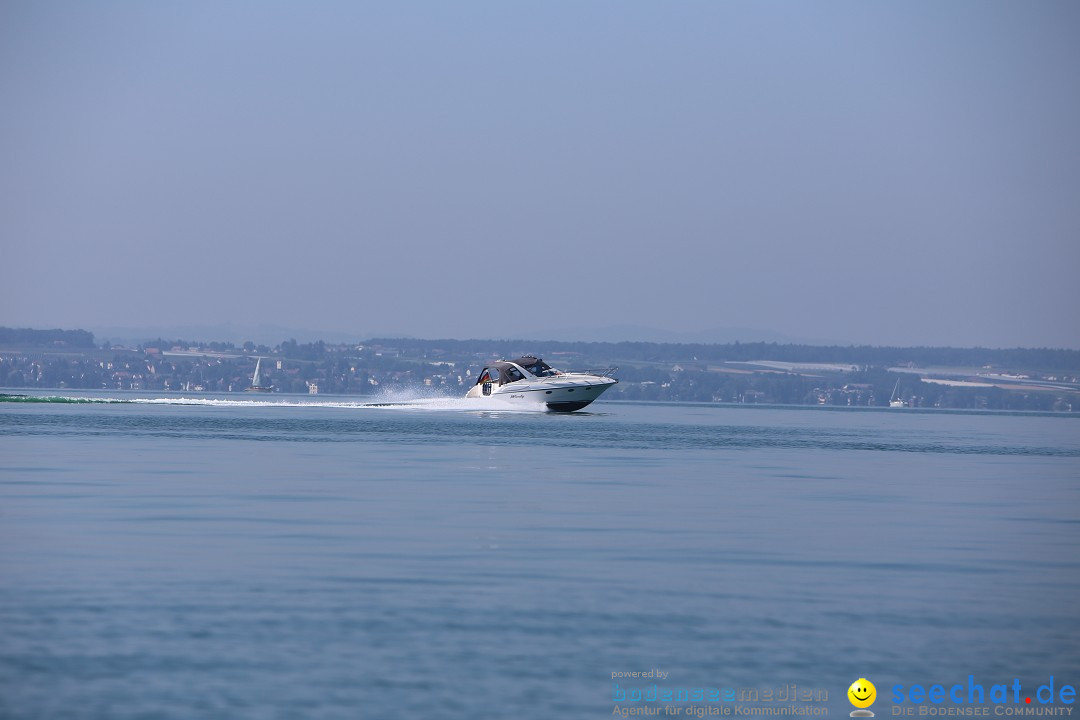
(256, 380)
(895, 401)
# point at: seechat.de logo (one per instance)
(862, 695)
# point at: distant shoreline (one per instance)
(1027, 379)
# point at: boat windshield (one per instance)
(541, 369)
(500, 374)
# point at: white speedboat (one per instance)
(531, 380)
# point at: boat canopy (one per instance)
(504, 372)
(536, 366)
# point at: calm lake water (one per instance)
(248, 560)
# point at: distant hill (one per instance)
(1050, 359)
(28, 337)
(641, 333)
(261, 334)
(653, 352)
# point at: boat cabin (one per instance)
(504, 373)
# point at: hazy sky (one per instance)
(887, 173)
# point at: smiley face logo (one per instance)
(862, 693)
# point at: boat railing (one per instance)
(601, 372)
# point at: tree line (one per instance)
(28, 337)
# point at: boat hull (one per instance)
(570, 399)
(560, 394)
(567, 406)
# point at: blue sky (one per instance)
(886, 173)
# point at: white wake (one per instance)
(416, 399)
